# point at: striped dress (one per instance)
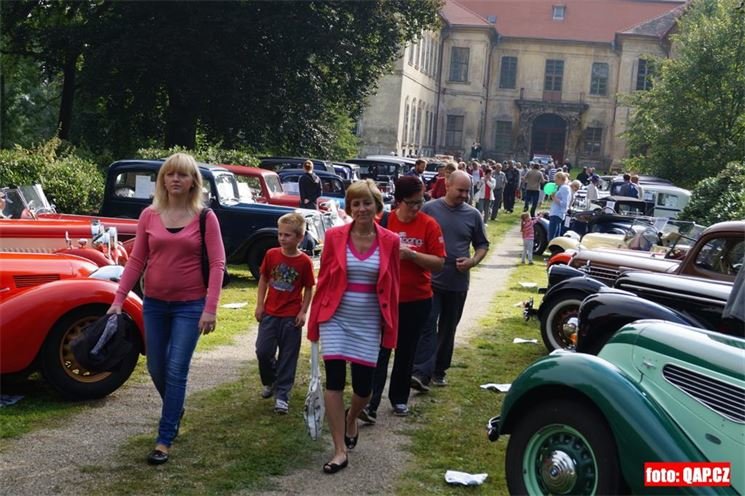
(353, 333)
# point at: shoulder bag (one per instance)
(205, 258)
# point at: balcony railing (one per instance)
(552, 96)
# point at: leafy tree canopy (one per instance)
(692, 122)
(279, 76)
(719, 198)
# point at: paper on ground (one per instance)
(455, 477)
(521, 341)
(502, 388)
(528, 284)
(234, 305)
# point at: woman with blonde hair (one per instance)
(354, 311)
(179, 304)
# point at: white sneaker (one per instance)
(281, 407)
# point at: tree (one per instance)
(50, 35)
(279, 76)
(692, 122)
(719, 198)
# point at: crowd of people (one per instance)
(389, 283)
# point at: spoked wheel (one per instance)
(558, 320)
(564, 447)
(540, 239)
(62, 370)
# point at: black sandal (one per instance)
(332, 468)
(350, 442)
(157, 457)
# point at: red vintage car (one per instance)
(29, 224)
(45, 302)
(265, 186)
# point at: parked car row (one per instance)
(696, 285)
(644, 368)
(70, 264)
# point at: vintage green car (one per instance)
(657, 392)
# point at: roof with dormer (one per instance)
(584, 20)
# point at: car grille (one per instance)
(34, 280)
(598, 272)
(723, 398)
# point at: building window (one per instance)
(554, 75)
(459, 64)
(492, 19)
(599, 79)
(418, 134)
(411, 54)
(644, 75)
(406, 125)
(454, 131)
(503, 139)
(559, 12)
(592, 141)
(412, 122)
(423, 43)
(508, 73)
(431, 128)
(426, 54)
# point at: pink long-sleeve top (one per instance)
(174, 266)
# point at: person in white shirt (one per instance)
(592, 189)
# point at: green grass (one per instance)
(43, 407)
(451, 421)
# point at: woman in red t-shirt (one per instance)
(422, 251)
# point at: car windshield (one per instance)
(247, 189)
(273, 184)
(662, 234)
(25, 202)
(433, 166)
(228, 192)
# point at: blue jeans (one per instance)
(171, 334)
(554, 227)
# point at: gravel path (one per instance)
(49, 461)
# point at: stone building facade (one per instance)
(521, 78)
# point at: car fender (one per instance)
(584, 284)
(564, 243)
(603, 314)
(638, 425)
(562, 258)
(25, 327)
(239, 255)
(91, 254)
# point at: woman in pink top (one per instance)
(178, 305)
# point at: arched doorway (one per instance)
(548, 137)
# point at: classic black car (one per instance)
(383, 171)
(333, 186)
(276, 164)
(687, 300)
(248, 229)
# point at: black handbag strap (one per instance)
(203, 258)
(202, 223)
(384, 219)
